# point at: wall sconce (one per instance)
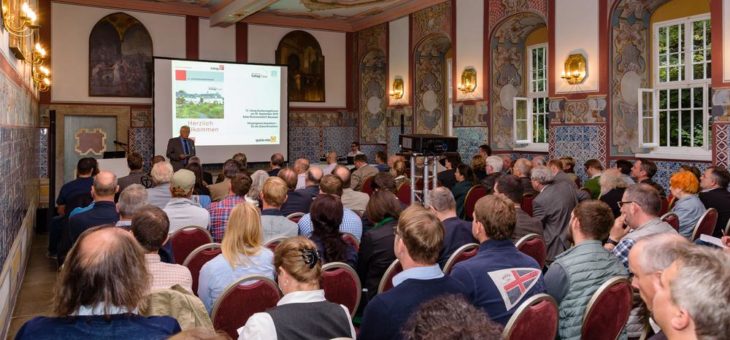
(21, 23)
(574, 71)
(39, 54)
(41, 77)
(397, 91)
(468, 80)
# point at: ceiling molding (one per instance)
(237, 10)
(144, 6)
(394, 13)
(296, 22)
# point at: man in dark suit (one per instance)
(510, 186)
(552, 206)
(446, 178)
(311, 186)
(457, 232)
(714, 182)
(521, 169)
(180, 148)
(296, 201)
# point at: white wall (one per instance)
(576, 31)
(398, 57)
(469, 44)
(726, 39)
(70, 29)
(262, 44)
(216, 43)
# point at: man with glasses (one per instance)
(640, 207)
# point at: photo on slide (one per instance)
(199, 95)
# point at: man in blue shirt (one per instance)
(418, 239)
(74, 194)
(499, 278)
(351, 222)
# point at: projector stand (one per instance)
(421, 195)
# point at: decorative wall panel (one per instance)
(582, 142)
(721, 144)
(471, 114)
(500, 9)
(589, 110)
(469, 140)
(373, 97)
(431, 88)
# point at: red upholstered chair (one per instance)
(274, 242)
(341, 285)
(464, 252)
(404, 193)
(295, 217)
(386, 282)
(706, 224)
(527, 203)
(472, 196)
(665, 205)
(672, 219)
(533, 245)
(367, 185)
(185, 240)
(241, 299)
(197, 258)
(536, 318)
(608, 310)
(351, 240)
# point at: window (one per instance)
(674, 115)
(531, 120)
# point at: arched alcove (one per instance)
(302, 53)
(373, 98)
(430, 90)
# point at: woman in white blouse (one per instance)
(303, 312)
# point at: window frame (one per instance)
(529, 97)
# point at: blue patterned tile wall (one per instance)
(469, 140)
(43, 153)
(371, 149)
(141, 142)
(305, 142)
(338, 139)
(582, 142)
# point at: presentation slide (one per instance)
(229, 108)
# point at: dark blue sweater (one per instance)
(386, 314)
(117, 326)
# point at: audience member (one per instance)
(538, 161)
(135, 162)
(219, 212)
(159, 194)
(331, 159)
(376, 247)
(301, 166)
(277, 161)
(643, 171)
(181, 210)
(150, 226)
(692, 297)
(201, 186)
(400, 173)
(351, 199)
(303, 312)
(647, 259)
(478, 166)
(506, 163)
(568, 167)
(242, 254)
(296, 201)
(418, 240)
(207, 176)
(578, 272)
(510, 187)
(363, 171)
(485, 150)
(684, 187)
(493, 170)
(258, 178)
(98, 292)
(464, 181)
(273, 222)
(624, 166)
(499, 278)
(522, 169)
(241, 158)
(593, 169)
(77, 193)
(613, 185)
(351, 222)
(714, 182)
(457, 232)
(556, 167)
(130, 200)
(639, 218)
(221, 189)
(311, 186)
(552, 206)
(446, 178)
(691, 168)
(380, 161)
(354, 150)
(450, 316)
(326, 215)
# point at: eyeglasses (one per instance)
(621, 203)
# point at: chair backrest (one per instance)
(241, 299)
(534, 246)
(295, 217)
(527, 203)
(404, 193)
(367, 185)
(665, 205)
(197, 258)
(608, 310)
(706, 224)
(535, 318)
(386, 282)
(275, 242)
(472, 196)
(341, 285)
(351, 240)
(464, 252)
(672, 219)
(187, 239)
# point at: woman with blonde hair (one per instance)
(243, 254)
(303, 312)
(684, 187)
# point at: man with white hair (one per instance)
(522, 169)
(552, 206)
(131, 199)
(159, 195)
(301, 165)
(493, 170)
(538, 161)
(457, 232)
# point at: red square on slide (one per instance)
(181, 75)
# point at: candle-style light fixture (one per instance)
(19, 21)
(397, 90)
(468, 80)
(574, 71)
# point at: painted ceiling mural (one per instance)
(331, 9)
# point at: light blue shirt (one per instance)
(419, 273)
(689, 209)
(351, 223)
(217, 274)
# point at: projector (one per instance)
(428, 144)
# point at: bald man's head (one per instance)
(301, 165)
(105, 186)
(314, 175)
(344, 174)
(290, 177)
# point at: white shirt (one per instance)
(301, 181)
(261, 326)
(183, 212)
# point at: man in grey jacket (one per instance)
(552, 206)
